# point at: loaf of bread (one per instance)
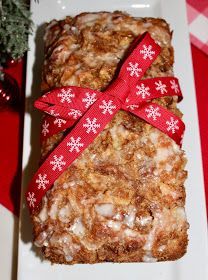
(122, 200)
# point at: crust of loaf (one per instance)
(122, 200)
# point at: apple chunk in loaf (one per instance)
(122, 200)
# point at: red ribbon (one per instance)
(92, 110)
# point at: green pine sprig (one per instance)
(15, 25)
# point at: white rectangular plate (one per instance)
(194, 264)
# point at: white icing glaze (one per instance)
(167, 191)
(39, 241)
(118, 133)
(116, 226)
(54, 209)
(88, 20)
(147, 24)
(180, 213)
(148, 258)
(161, 248)
(105, 210)
(130, 233)
(69, 184)
(67, 27)
(162, 154)
(68, 258)
(168, 167)
(118, 217)
(64, 213)
(154, 136)
(88, 245)
(149, 240)
(65, 245)
(43, 215)
(45, 243)
(144, 220)
(78, 228)
(74, 29)
(69, 250)
(130, 217)
(139, 156)
(170, 220)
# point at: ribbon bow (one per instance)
(92, 110)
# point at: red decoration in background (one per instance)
(9, 92)
(96, 109)
(11, 125)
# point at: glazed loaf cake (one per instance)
(123, 199)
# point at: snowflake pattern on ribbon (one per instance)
(143, 91)
(153, 112)
(161, 87)
(59, 122)
(134, 69)
(53, 113)
(147, 52)
(57, 163)
(31, 199)
(75, 114)
(75, 144)
(42, 181)
(133, 107)
(66, 95)
(174, 86)
(107, 107)
(91, 125)
(89, 99)
(172, 125)
(45, 129)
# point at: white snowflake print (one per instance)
(66, 95)
(143, 91)
(31, 199)
(59, 122)
(75, 144)
(134, 69)
(107, 107)
(160, 87)
(89, 99)
(153, 112)
(75, 114)
(147, 52)
(133, 106)
(45, 129)
(52, 113)
(41, 181)
(174, 86)
(91, 125)
(57, 163)
(172, 125)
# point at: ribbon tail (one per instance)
(162, 119)
(148, 89)
(86, 130)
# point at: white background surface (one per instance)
(8, 244)
(194, 264)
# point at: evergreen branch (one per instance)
(15, 26)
